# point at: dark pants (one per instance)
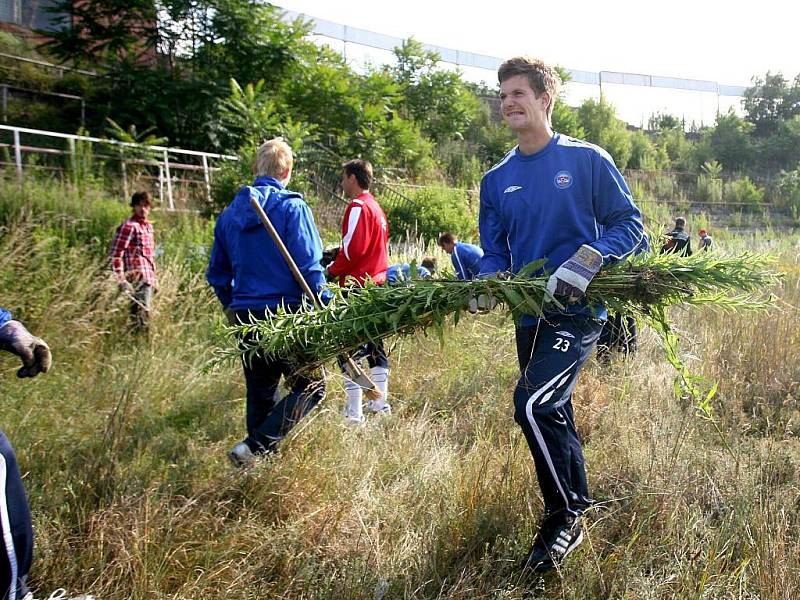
(269, 419)
(373, 352)
(619, 334)
(141, 302)
(16, 551)
(551, 355)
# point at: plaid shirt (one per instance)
(133, 251)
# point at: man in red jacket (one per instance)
(363, 254)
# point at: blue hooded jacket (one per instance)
(246, 269)
(5, 316)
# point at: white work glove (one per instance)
(572, 278)
(33, 351)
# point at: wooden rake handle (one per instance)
(355, 371)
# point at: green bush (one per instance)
(434, 210)
(785, 191)
(743, 192)
(709, 189)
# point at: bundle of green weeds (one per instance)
(643, 287)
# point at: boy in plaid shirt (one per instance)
(133, 259)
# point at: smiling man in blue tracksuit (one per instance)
(250, 277)
(562, 199)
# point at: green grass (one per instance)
(123, 444)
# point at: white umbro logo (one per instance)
(512, 188)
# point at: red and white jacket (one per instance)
(365, 237)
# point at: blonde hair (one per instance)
(273, 158)
(541, 77)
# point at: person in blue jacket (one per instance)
(250, 277)
(466, 257)
(561, 199)
(400, 272)
(16, 540)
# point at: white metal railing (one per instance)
(160, 157)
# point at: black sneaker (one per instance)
(554, 542)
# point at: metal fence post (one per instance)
(207, 177)
(161, 185)
(169, 181)
(18, 155)
(73, 161)
(124, 178)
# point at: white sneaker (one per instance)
(60, 594)
(379, 407)
(354, 420)
(241, 456)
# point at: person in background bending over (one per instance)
(466, 257)
(402, 271)
(678, 241)
(706, 243)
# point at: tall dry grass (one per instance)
(123, 448)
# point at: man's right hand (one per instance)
(125, 287)
(34, 351)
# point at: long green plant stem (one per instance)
(643, 287)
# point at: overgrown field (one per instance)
(123, 448)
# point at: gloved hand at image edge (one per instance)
(573, 277)
(34, 351)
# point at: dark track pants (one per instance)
(551, 355)
(269, 419)
(16, 552)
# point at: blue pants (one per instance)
(16, 552)
(269, 419)
(551, 355)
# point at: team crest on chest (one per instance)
(563, 180)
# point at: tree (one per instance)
(599, 120)
(103, 30)
(436, 99)
(771, 100)
(643, 152)
(729, 142)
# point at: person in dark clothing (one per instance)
(619, 334)
(678, 241)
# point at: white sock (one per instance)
(380, 377)
(354, 393)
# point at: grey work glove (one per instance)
(481, 303)
(34, 351)
(126, 287)
(572, 278)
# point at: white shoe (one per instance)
(353, 420)
(379, 407)
(241, 456)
